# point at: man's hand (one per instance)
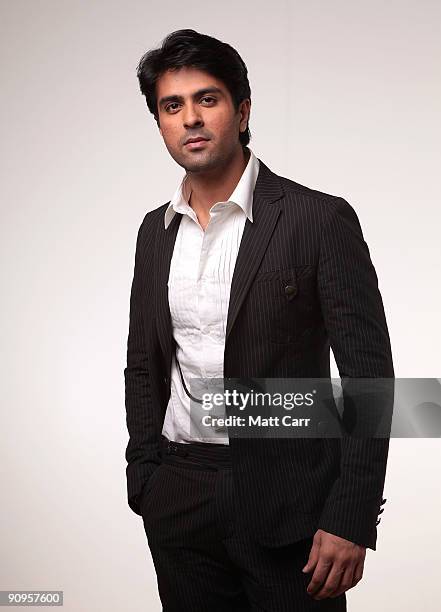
(338, 565)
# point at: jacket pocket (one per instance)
(286, 301)
(148, 487)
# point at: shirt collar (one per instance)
(242, 194)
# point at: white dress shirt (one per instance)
(199, 285)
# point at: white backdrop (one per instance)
(345, 99)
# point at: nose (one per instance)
(191, 116)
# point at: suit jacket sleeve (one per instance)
(354, 317)
(142, 452)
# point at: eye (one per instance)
(169, 105)
(209, 98)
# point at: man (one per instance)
(245, 274)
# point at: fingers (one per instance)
(358, 572)
(337, 565)
(313, 556)
(346, 582)
(320, 575)
(339, 580)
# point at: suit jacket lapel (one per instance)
(255, 238)
(165, 243)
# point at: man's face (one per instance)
(193, 103)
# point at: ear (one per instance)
(244, 109)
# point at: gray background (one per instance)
(345, 99)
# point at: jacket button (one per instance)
(290, 290)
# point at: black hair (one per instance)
(190, 48)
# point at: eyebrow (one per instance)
(196, 94)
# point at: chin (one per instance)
(196, 162)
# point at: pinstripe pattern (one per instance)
(203, 559)
(285, 489)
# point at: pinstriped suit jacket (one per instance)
(285, 488)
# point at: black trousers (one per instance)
(202, 560)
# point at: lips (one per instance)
(196, 139)
(196, 143)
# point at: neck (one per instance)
(218, 184)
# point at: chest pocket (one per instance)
(285, 302)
